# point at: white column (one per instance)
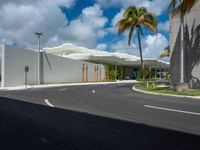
(182, 51)
(3, 77)
(39, 63)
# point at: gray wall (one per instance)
(191, 44)
(63, 70)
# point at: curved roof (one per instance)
(92, 55)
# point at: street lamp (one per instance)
(38, 34)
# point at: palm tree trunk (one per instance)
(141, 57)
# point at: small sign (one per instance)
(26, 68)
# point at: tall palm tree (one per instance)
(182, 7)
(138, 18)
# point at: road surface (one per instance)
(97, 117)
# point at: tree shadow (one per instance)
(31, 126)
(193, 55)
(175, 61)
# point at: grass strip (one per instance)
(167, 90)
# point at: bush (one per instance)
(112, 73)
(149, 75)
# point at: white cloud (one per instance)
(156, 6)
(102, 46)
(164, 26)
(152, 45)
(117, 17)
(88, 27)
(21, 18)
(114, 21)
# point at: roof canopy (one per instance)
(91, 55)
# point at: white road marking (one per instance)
(93, 91)
(64, 89)
(172, 110)
(48, 103)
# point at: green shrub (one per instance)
(149, 75)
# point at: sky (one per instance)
(88, 23)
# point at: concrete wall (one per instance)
(61, 70)
(191, 44)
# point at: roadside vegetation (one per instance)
(150, 75)
(112, 72)
(167, 90)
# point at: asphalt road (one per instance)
(97, 117)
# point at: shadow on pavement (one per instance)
(27, 126)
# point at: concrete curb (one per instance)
(161, 94)
(60, 85)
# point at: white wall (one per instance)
(13, 62)
(191, 47)
(63, 70)
(66, 70)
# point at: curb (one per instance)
(162, 94)
(61, 85)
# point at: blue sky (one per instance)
(89, 23)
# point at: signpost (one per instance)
(26, 69)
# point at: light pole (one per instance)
(182, 50)
(38, 34)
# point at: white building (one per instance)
(67, 63)
(130, 63)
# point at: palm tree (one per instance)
(182, 7)
(134, 17)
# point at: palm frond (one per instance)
(150, 26)
(166, 52)
(142, 11)
(130, 11)
(124, 24)
(140, 19)
(150, 22)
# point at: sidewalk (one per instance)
(66, 84)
